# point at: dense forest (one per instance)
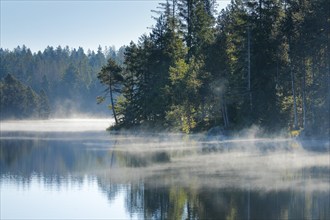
(258, 62)
(21, 101)
(66, 77)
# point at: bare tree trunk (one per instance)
(304, 97)
(313, 95)
(328, 79)
(260, 7)
(203, 110)
(174, 3)
(189, 118)
(224, 112)
(112, 102)
(295, 124)
(224, 115)
(189, 27)
(249, 68)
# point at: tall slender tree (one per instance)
(110, 76)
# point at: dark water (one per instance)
(93, 175)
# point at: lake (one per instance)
(74, 169)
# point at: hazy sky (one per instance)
(88, 24)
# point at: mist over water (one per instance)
(259, 164)
(57, 125)
(61, 153)
(241, 161)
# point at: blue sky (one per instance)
(88, 24)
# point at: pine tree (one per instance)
(110, 76)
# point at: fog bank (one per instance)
(57, 125)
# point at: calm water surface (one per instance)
(73, 169)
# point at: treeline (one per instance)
(258, 62)
(68, 77)
(20, 101)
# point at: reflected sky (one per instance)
(70, 200)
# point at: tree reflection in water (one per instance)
(178, 177)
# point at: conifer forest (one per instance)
(257, 62)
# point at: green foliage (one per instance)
(67, 76)
(110, 76)
(20, 101)
(185, 91)
(258, 62)
(192, 73)
(44, 108)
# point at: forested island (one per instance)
(258, 62)
(263, 63)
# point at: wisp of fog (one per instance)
(243, 161)
(57, 125)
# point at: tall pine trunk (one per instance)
(112, 102)
(295, 120)
(249, 68)
(295, 123)
(224, 112)
(304, 97)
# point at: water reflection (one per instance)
(174, 176)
